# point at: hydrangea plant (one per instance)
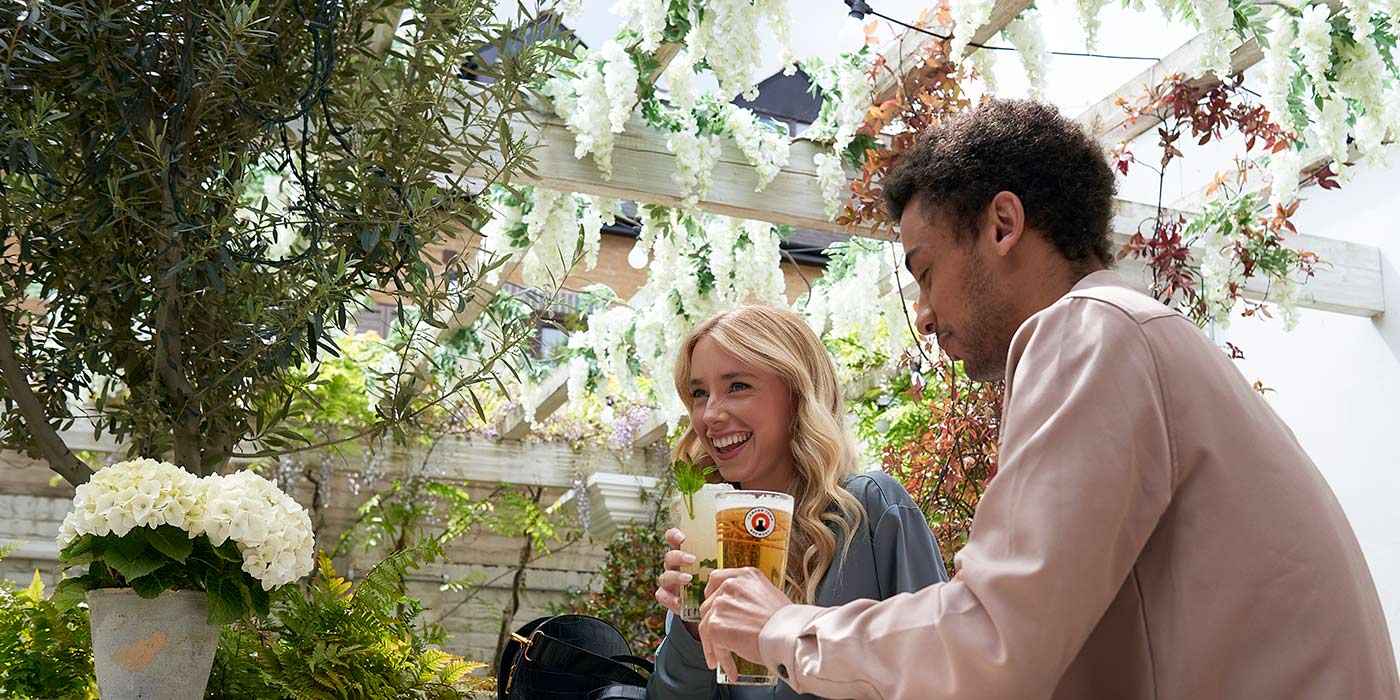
(153, 527)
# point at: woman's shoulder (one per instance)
(878, 491)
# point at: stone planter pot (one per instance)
(157, 649)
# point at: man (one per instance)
(1154, 529)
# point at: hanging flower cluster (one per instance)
(700, 265)
(551, 230)
(968, 17)
(1024, 33)
(859, 308)
(848, 88)
(724, 34)
(1333, 80)
(597, 101)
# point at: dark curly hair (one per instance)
(1027, 148)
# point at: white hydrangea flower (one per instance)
(272, 531)
(131, 494)
(1315, 44)
(1024, 33)
(968, 17)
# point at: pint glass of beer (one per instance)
(753, 528)
(694, 516)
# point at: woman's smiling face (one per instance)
(743, 414)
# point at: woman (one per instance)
(767, 411)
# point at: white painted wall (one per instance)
(1337, 377)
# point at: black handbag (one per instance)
(570, 656)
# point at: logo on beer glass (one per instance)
(759, 522)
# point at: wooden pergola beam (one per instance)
(906, 56)
(1349, 282)
(552, 393)
(642, 169)
(665, 53)
(1107, 120)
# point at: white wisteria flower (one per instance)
(968, 17)
(553, 229)
(1088, 11)
(1217, 21)
(727, 38)
(1024, 33)
(568, 9)
(648, 17)
(596, 103)
(1278, 70)
(695, 159)
(1315, 44)
(832, 178)
(1283, 171)
(1362, 77)
(132, 494)
(1329, 129)
(272, 531)
(764, 148)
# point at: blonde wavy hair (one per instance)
(823, 452)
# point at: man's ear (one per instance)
(1005, 222)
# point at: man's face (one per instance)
(960, 302)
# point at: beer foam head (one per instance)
(773, 500)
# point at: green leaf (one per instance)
(80, 551)
(132, 544)
(71, 591)
(689, 480)
(172, 542)
(134, 568)
(154, 583)
(261, 600)
(228, 551)
(225, 598)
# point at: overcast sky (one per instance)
(820, 28)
